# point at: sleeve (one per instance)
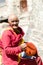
(7, 48)
(39, 60)
(1, 46)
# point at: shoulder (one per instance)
(21, 30)
(6, 32)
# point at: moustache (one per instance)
(14, 24)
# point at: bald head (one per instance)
(12, 17)
(13, 20)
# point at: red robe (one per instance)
(10, 50)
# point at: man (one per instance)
(10, 41)
(11, 37)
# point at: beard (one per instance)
(15, 25)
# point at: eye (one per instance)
(12, 21)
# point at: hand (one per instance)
(23, 45)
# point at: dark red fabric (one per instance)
(10, 50)
(28, 62)
(36, 61)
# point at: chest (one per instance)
(15, 41)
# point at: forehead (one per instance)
(11, 18)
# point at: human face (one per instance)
(14, 23)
